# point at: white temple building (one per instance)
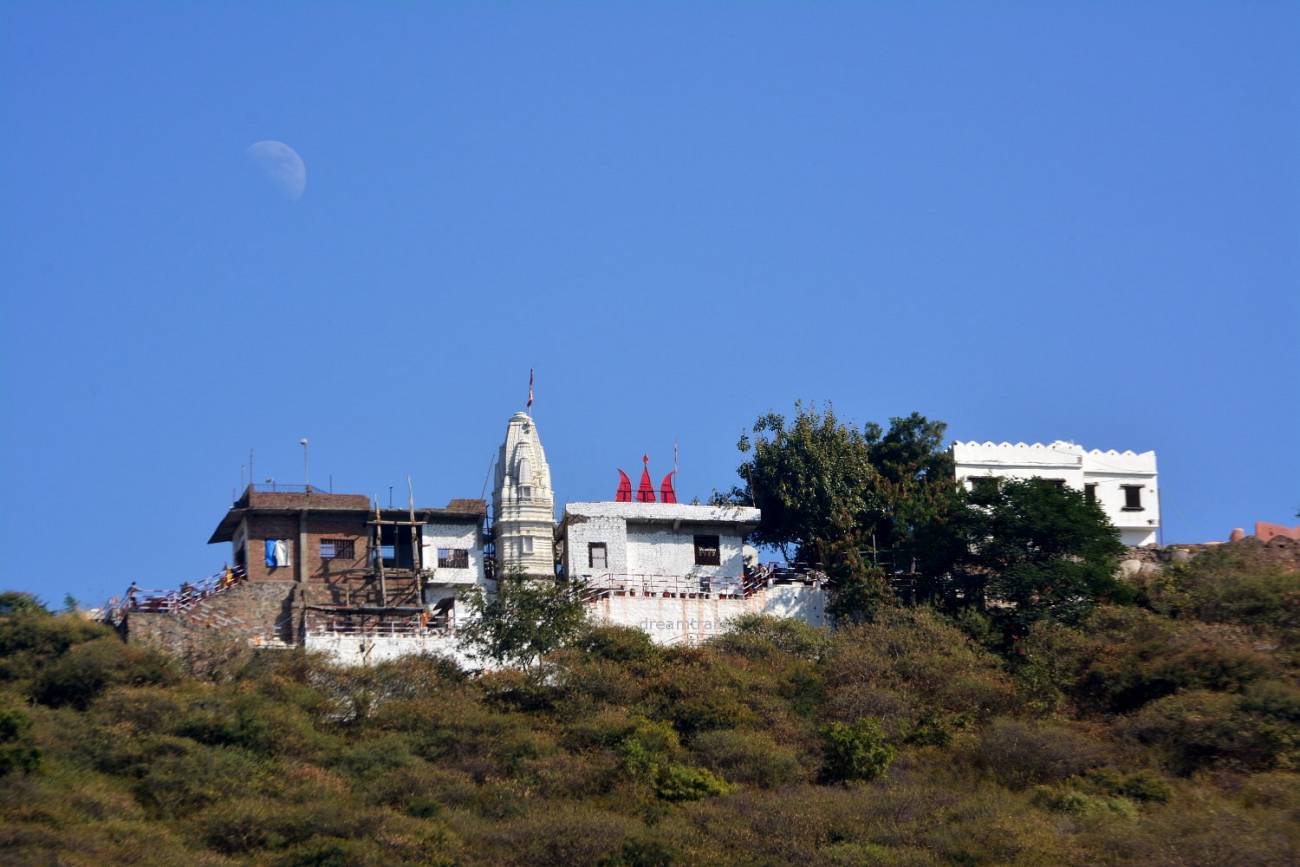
(523, 503)
(1123, 483)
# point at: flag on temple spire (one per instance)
(530, 388)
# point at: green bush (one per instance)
(749, 757)
(675, 782)
(619, 644)
(759, 637)
(854, 751)
(86, 670)
(1200, 729)
(31, 637)
(179, 776)
(17, 750)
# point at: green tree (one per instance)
(914, 485)
(523, 621)
(1036, 550)
(811, 477)
(854, 751)
(821, 483)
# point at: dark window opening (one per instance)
(707, 551)
(1056, 483)
(1090, 492)
(337, 549)
(453, 558)
(984, 487)
(395, 547)
(1132, 498)
(597, 555)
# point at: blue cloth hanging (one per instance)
(270, 553)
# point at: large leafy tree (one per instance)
(826, 488)
(812, 478)
(523, 621)
(1031, 550)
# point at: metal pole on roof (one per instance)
(306, 477)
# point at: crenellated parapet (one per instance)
(1123, 483)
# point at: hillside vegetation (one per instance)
(1160, 730)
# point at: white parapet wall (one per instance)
(374, 649)
(691, 620)
(667, 620)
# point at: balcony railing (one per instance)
(693, 587)
(182, 599)
(430, 625)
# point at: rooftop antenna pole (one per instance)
(251, 476)
(410, 498)
(390, 496)
(306, 478)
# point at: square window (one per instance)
(1132, 498)
(597, 555)
(707, 551)
(453, 558)
(337, 549)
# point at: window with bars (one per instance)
(597, 555)
(337, 549)
(707, 551)
(453, 558)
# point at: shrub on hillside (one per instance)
(17, 750)
(757, 636)
(619, 644)
(1200, 729)
(749, 757)
(1122, 658)
(31, 637)
(86, 670)
(907, 662)
(1229, 584)
(1019, 754)
(854, 751)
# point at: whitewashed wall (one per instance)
(580, 533)
(443, 535)
(690, 621)
(657, 549)
(363, 650)
(1077, 467)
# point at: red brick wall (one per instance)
(351, 527)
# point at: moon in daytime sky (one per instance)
(281, 165)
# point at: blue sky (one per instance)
(1033, 221)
